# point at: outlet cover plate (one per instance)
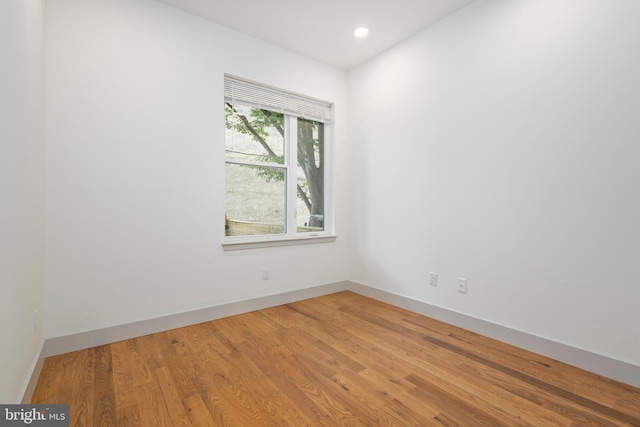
(433, 279)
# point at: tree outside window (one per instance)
(275, 172)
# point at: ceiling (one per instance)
(324, 30)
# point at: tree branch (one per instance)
(304, 197)
(279, 128)
(253, 132)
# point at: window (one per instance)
(275, 145)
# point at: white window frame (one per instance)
(292, 106)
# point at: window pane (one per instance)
(310, 213)
(254, 135)
(255, 200)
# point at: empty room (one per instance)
(249, 213)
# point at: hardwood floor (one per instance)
(336, 360)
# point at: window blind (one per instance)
(267, 98)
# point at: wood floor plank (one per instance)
(172, 397)
(198, 412)
(176, 358)
(82, 396)
(574, 412)
(49, 385)
(294, 389)
(590, 385)
(152, 409)
(129, 416)
(228, 402)
(124, 393)
(537, 368)
(457, 406)
(280, 367)
(542, 385)
(140, 363)
(104, 413)
(377, 402)
(268, 396)
(336, 360)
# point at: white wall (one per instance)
(21, 191)
(502, 146)
(135, 165)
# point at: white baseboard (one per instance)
(601, 365)
(82, 340)
(34, 373)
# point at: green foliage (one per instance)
(261, 125)
(270, 174)
(264, 119)
(256, 125)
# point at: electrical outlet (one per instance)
(462, 286)
(36, 320)
(265, 273)
(433, 279)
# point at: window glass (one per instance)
(254, 134)
(310, 188)
(255, 204)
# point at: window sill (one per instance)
(274, 241)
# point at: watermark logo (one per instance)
(34, 415)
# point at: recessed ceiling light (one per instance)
(361, 32)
